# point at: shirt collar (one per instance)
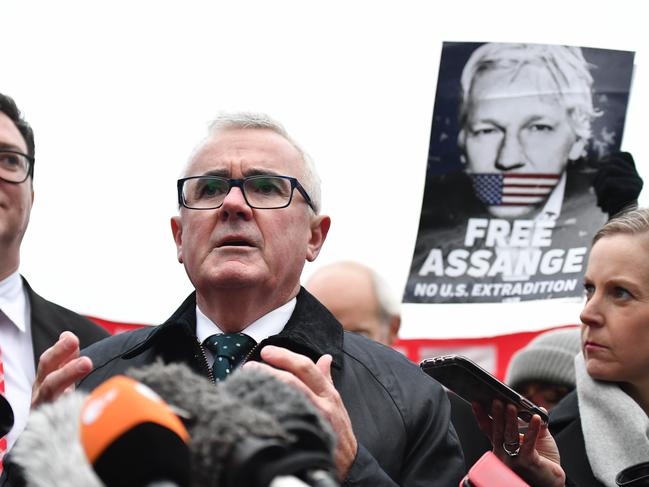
(12, 300)
(268, 325)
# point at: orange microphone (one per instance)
(132, 437)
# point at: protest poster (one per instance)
(518, 135)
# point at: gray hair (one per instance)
(631, 222)
(253, 120)
(566, 66)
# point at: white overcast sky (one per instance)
(119, 92)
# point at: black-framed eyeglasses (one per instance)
(261, 192)
(15, 167)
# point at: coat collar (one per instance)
(44, 331)
(311, 330)
(566, 411)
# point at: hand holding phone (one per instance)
(474, 384)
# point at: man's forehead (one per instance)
(528, 80)
(244, 151)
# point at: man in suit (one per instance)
(249, 218)
(29, 324)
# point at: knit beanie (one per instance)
(549, 357)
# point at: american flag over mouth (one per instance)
(515, 189)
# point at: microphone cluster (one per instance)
(165, 426)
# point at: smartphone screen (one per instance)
(474, 384)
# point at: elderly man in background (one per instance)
(248, 220)
(359, 298)
(28, 323)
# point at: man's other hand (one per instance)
(315, 381)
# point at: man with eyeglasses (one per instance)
(28, 323)
(248, 220)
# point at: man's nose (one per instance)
(510, 153)
(235, 205)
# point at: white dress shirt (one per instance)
(17, 350)
(268, 325)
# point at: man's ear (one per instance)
(393, 333)
(578, 149)
(319, 228)
(177, 231)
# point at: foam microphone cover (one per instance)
(218, 423)
(291, 408)
(310, 453)
(132, 437)
(48, 453)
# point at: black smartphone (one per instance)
(474, 384)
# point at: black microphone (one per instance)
(132, 438)
(6, 416)
(311, 454)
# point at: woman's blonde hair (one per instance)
(631, 222)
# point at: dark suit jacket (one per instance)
(474, 442)
(400, 416)
(49, 320)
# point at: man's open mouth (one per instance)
(235, 243)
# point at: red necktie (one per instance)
(3, 440)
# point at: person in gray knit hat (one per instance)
(543, 371)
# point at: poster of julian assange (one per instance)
(518, 131)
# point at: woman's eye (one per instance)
(621, 293)
(589, 290)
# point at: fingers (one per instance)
(503, 426)
(324, 365)
(511, 435)
(64, 350)
(531, 435)
(484, 421)
(497, 424)
(59, 368)
(316, 376)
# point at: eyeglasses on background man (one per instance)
(15, 167)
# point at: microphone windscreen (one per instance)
(132, 437)
(310, 453)
(218, 423)
(283, 402)
(48, 453)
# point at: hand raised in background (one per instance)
(59, 368)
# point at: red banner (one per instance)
(492, 353)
